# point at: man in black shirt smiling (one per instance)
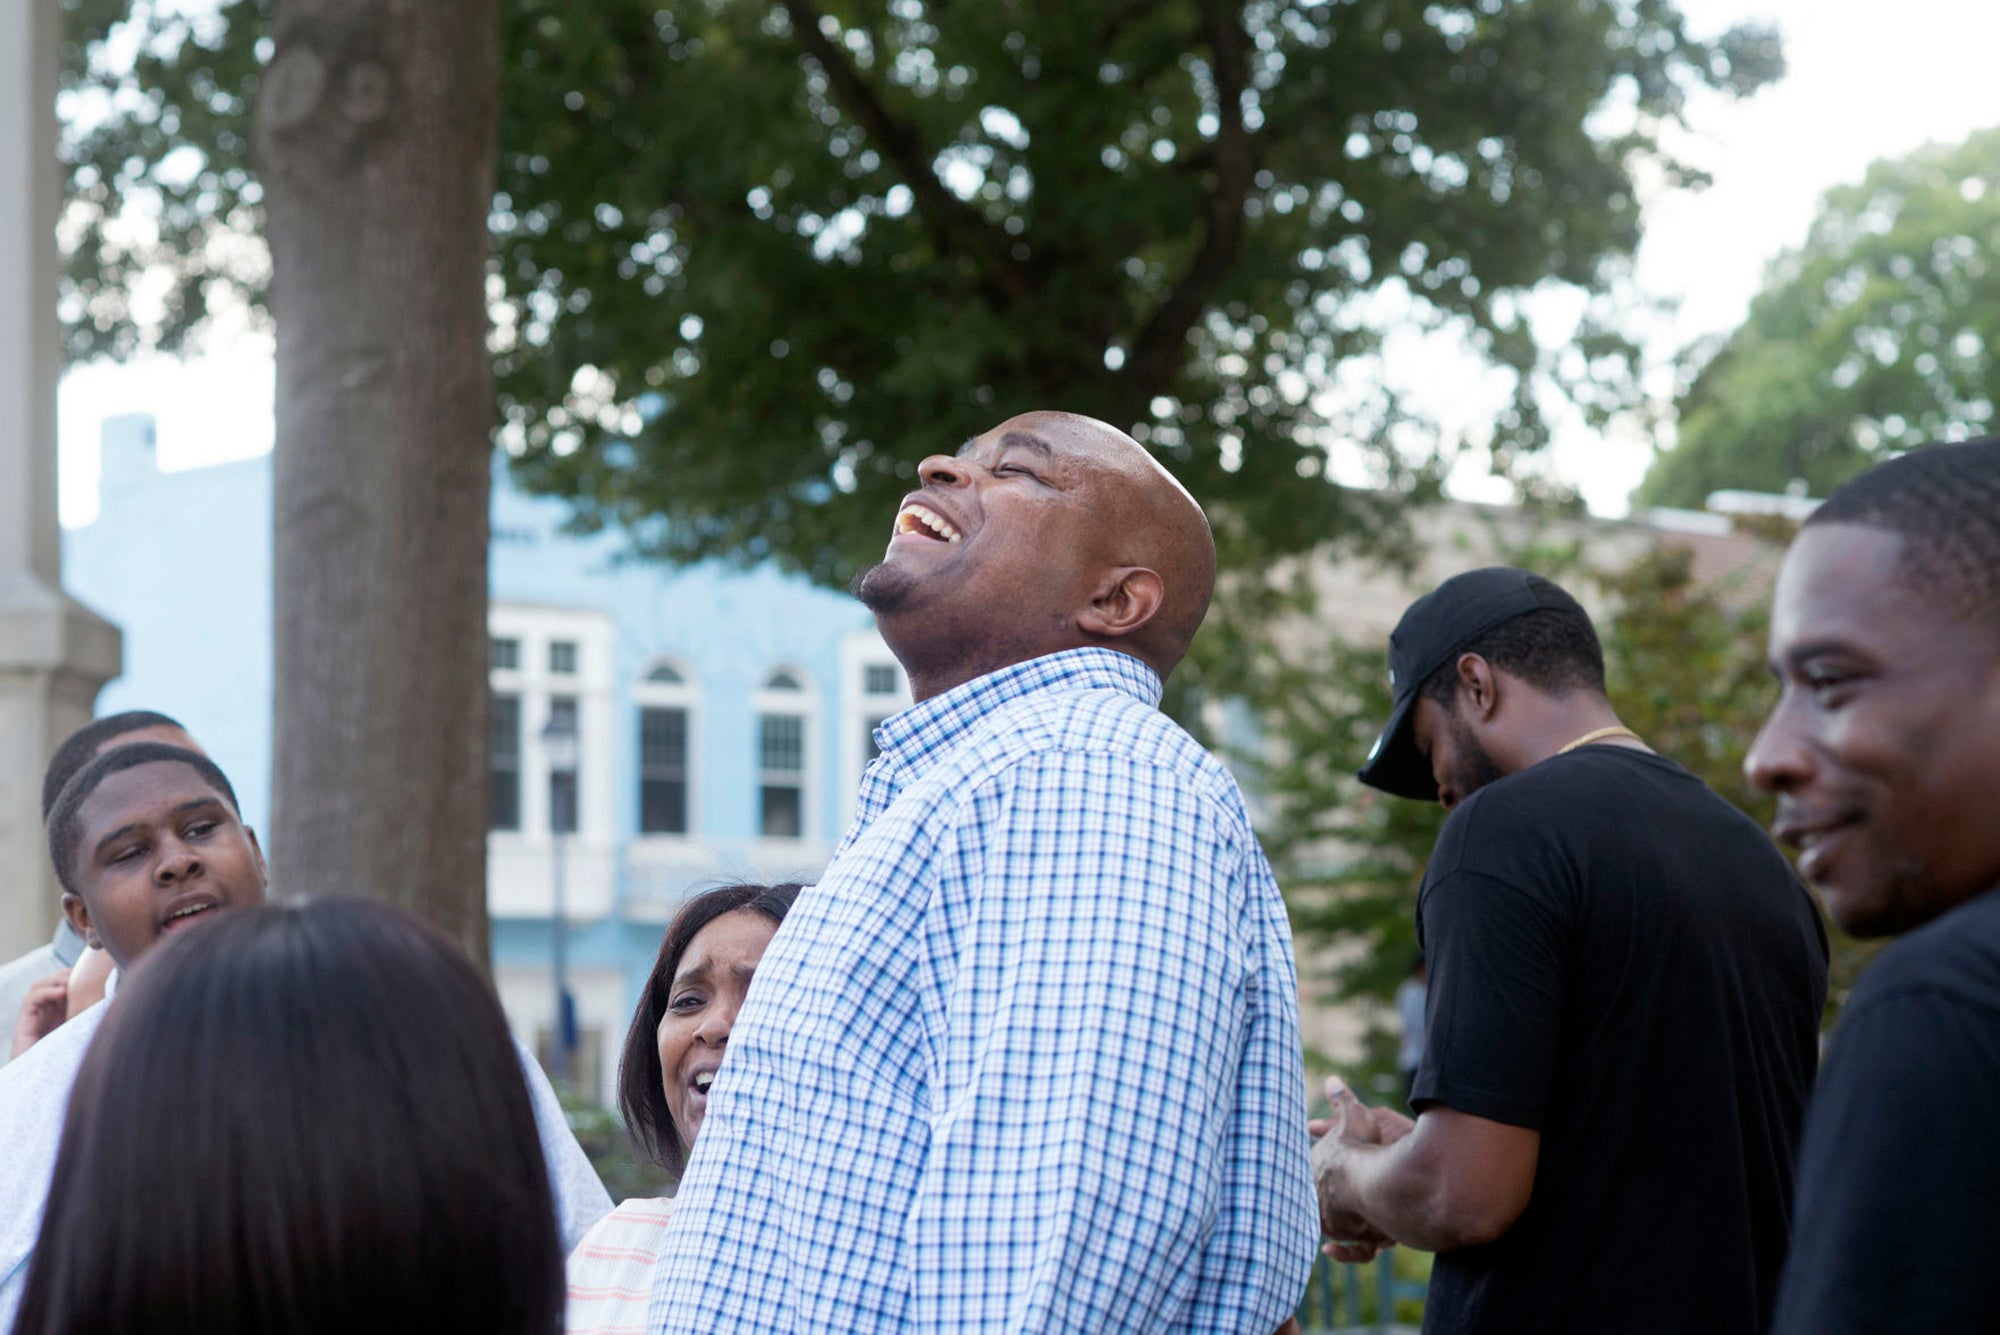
(1884, 751)
(1625, 989)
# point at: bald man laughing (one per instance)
(1027, 1057)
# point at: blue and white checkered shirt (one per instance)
(1027, 1058)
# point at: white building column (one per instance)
(55, 654)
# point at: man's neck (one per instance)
(930, 680)
(1566, 722)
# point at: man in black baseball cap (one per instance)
(1441, 625)
(1623, 1013)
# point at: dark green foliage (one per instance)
(1350, 858)
(754, 259)
(620, 1164)
(1878, 334)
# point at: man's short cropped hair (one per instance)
(65, 824)
(1944, 502)
(1553, 649)
(77, 748)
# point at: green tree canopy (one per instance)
(752, 259)
(1878, 334)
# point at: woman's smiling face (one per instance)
(707, 990)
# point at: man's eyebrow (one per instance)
(1026, 440)
(1805, 653)
(192, 804)
(113, 838)
(1796, 657)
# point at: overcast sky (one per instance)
(1866, 80)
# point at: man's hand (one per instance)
(1356, 1121)
(45, 1007)
(1352, 1125)
(87, 979)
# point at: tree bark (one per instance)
(375, 140)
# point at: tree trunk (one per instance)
(376, 128)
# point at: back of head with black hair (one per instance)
(65, 824)
(642, 1095)
(77, 749)
(1944, 502)
(1553, 649)
(300, 1119)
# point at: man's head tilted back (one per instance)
(1884, 745)
(1052, 531)
(147, 839)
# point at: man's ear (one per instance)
(1481, 686)
(1125, 602)
(263, 868)
(78, 914)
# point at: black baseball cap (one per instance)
(1435, 630)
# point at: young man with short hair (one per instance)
(147, 841)
(1625, 984)
(1884, 752)
(51, 963)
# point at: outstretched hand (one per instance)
(1351, 1124)
(1356, 1121)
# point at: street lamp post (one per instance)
(559, 743)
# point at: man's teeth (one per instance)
(704, 1080)
(921, 519)
(189, 911)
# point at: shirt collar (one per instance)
(913, 739)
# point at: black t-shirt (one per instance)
(1897, 1226)
(1622, 961)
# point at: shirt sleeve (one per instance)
(1117, 1134)
(1895, 1226)
(1493, 1012)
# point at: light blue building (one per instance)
(723, 715)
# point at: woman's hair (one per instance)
(296, 1120)
(642, 1094)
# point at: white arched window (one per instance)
(666, 699)
(784, 708)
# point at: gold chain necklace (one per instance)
(1601, 735)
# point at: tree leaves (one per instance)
(753, 260)
(1876, 335)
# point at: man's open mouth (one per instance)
(925, 522)
(187, 913)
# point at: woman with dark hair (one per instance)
(296, 1120)
(672, 1052)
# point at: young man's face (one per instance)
(1884, 745)
(160, 850)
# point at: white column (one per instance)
(55, 654)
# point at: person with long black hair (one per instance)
(300, 1120)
